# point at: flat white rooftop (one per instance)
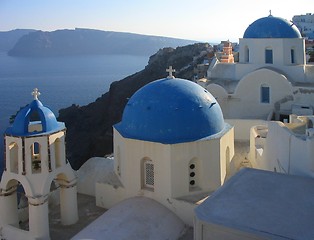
(263, 203)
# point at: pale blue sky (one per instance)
(204, 20)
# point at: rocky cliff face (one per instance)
(88, 42)
(89, 128)
(9, 38)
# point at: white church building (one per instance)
(271, 82)
(34, 159)
(172, 145)
(271, 79)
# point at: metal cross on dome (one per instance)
(170, 70)
(35, 93)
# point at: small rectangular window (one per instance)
(292, 56)
(149, 174)
(269, 56)
(247, 55)
(265, 94)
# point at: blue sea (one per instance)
(62, 81)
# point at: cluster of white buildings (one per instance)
(305, 23)
(177, 143)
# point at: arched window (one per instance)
(148, 174)
(246, 54)
(35, 156)
(13, 157)
(58, 152)
(265, 93)
(194, 175)
(269, 55)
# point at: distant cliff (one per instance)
(89, 128)
(9, 38)
(87, 42)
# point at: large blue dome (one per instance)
(45, 116)
(171, 111)
(272, 27)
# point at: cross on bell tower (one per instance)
(36, 93)
(170, 70)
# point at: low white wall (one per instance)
(208, 231)
(183, 209)
(93, 170)
(10, 232)
(107, 196)
(242, 127)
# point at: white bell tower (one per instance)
(34, 158)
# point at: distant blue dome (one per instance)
(46, 117)
(272, 27)
(171, 111)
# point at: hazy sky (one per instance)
(204, 20)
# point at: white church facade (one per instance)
(271, 79)
(165, 152)
(172, 145)
(271, 82)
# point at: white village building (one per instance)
(163, 150)
(305, 23)
(272, 81)
(172, 145)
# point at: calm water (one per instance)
(62, 81)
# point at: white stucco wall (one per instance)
(281, 50)
(296, 72)
(171, 164)
(221, 95)
(171, 171)
(242, 127)
(304, 95)
(207, 231)
(309, 73)
(245, 102)
(223, 70)
(286, 152)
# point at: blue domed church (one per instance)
(267, 96)
(271, 79)
(172, 145)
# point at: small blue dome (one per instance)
(46, 117)
(171, 111)
(272, 27)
